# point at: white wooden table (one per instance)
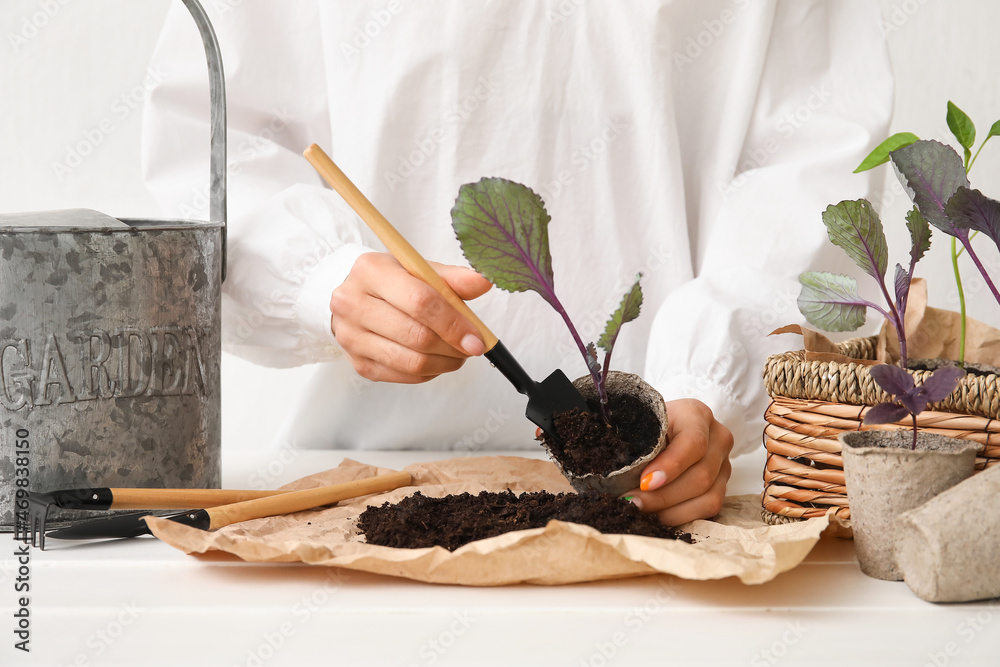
(140, 602)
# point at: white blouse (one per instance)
(695, 142)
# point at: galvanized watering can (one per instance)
(110, 341)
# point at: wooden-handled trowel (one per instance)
(549, 397)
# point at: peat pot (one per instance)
(110, 342)
(947, 547)
(885, 478)
(627, 478)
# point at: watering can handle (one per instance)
(217, 96)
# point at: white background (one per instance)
(65, 63)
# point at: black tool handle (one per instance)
(195, 518)
(505, 362)
(83, 499)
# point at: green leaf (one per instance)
(830, 301)
(931, 172)
(881, 153)
(502, 227)
(920, 234)
(855, 227)
(994, 131)
(961, 126)
(627, 311)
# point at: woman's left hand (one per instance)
(687, 481)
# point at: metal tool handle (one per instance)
(217, 97)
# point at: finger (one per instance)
(704, 506)
(466, 282)
(692, 431)
(422, 303)
(688, 433)
(382, 319)
(374, 371)
(373, 355)
(693, 482)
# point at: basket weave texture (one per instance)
(814, 401)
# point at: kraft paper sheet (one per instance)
(737, 543)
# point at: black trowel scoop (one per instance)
(549, 397)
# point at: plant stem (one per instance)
(982, 269)
(973, 161)
(898, 323)
(914, 431)
(961, 300)
(594, 375)
(605, 406)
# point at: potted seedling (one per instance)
(502, 227)
(890, 472)
(936, 178)
(816, 390)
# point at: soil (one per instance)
(934, 364)
(452, 521)
(590, 446)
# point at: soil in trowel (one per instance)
(452, 521)
(590, 446)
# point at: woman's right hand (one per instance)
(397, 328)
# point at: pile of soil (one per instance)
(589, 445)
(452, 521)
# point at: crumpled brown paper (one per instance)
(931, 333)
(735, 544)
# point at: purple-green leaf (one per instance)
(901, 282)
(931, 172)
(885, 413)
(920, 234)
(881, 153)
(830, 301)
(941, 383)
(627, 311)
(971, 209)
(855, 227)
(503, 229)
(893, 379)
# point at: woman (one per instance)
(696, 143)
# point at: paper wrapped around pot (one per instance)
(734, 544)
(947, 547)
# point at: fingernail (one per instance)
(653, 481)
(635, 501)
(472, 345)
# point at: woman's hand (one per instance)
(687, 481)
(396, 328)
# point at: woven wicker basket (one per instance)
(814, 401)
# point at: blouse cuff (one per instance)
(313, 304)
(726, 408)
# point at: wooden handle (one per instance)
(400, 248)
(296, 501)
(181, 499)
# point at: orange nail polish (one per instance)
(653, 481)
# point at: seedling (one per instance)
(908, 398)
(831, 302)
(936, 178)
(502, 227)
